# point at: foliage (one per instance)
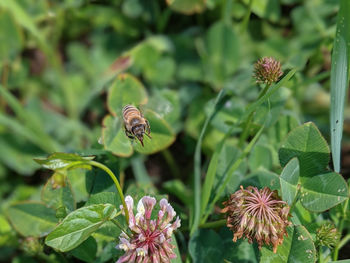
(67, 69)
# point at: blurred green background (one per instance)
(60, 59)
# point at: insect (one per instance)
(135, 124)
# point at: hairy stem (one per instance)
(245, 132)
(115, 180)
(340, 229)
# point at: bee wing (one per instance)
(142, 109)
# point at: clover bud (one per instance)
(267, 70)
(327, 235)
(32, 246)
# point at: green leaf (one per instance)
(64, 161)
(187, 7)
(221, 58)
(79, 225)
(176, 250)
(289, 181)
(86, 251)
(104, 198)
(339, 80)
(10, 37)
(240, 251)
(166, 103)
(268, 9)
(57, 196)
(32, 219)
(262, 178)
(321, 192)
(307, 144)
(178, 189)
(25, 21)
(126, 89)
(205, 246)
(162, 135)
(81, 182)
(109, 232)
(114, 138)
(260, 157)
(297, 247)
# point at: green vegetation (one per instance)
(219, 122)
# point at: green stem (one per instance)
(4, 79)
(114, 221)
(115, 180)
(340, 229)
(246, 17)
(344, 241)
(320, 257)
(197, 167)
(245, 133)
(295, 199)
(214, 224)
(171, 163)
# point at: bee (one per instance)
(135, 124)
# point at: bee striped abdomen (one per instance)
(130, 112)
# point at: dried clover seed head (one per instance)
(258, 215)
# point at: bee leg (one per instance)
(129, 134)
(148, 130)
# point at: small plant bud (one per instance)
(150, 240)
(267, 70)
(258, 215)
(327, 235)
(32, 246)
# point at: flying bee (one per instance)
(135, 124)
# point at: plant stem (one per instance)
(340, 229)
(115, 180)
(120, 227)
(197, 167)
(246, 17)
(320, 257)
(344, 241)
(213, 224)
(4, 78)
(171, 163)
(245, 132)
(295, 199)
(122, 179)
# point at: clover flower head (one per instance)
(267, 70)
(150, 239)
(258, 215)
(327, 235)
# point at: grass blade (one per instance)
(339, 80)
(197, 167)
(211, 173)
(230, 172)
